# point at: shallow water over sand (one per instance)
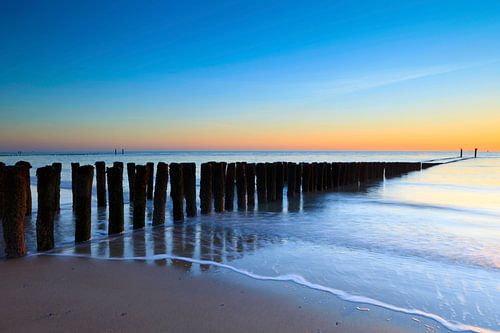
(427, 241)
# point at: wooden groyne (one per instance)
(254, 183)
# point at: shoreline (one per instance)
(83, 294)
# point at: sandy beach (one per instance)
(57, 294)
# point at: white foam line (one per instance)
(297, 279)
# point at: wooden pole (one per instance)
(329, 176)
(26, 167)
(280, 179)
(2, 172)
(219, 172)
(206, 187)
(229, 185)
(100, 177)
(306, 169)
(140, 186)
(46, 187)
(160, 196)
(14, 211)
(118, 165)
(260, 170)
(74, 173)
(177, 191)
(115, 189)
(131, 181)
(461, 153)
(298, 178)
(271, 182)
(83, 203)
(475, 153)
(58, 168)
(150, 166)
(292, 178)
(241, 185)
(189, 180)
(250, 179)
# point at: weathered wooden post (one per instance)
(306, 169)
(150, 166)
(292, 178)
(58, 168)
(329, 176)
(461, 153)
(260, 170)
(177, 191)
(2, 172)
(160, 196)
(115, 195)
(83, 203)
(335, 178)
(14, 211)
(250, 178)
(189, 180)
(475, 152)
(298, 178)
(118, 165)
(206, 187)
(74, 173)
(229, 198)
(131, 181)
(100, 177)
(280, 178)
(218, 172)
(320, 181)
(241, 185)
(46, 187)
(271, 182)
(362, 173)
(140, 186)
(26, 167)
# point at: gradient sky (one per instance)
(353, 75)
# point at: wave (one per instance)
(418, 205)
(301, 281)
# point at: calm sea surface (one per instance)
(427, 243)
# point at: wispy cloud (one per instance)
(391, 77)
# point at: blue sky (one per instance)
(68, 68)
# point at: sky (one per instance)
(250, 75)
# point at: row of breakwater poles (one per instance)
(221, 184)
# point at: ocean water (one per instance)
(427, 243)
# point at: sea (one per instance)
(426, 244)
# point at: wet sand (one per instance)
(58, 294)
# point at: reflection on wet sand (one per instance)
(208, 238)
(204, 241)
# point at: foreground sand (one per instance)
(58, 294)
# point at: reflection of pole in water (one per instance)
(189, 243)
(218, 243)
(177, 239)
(206, 240)
(139, 243)
(159, 243)
(229, 244)
(116, 247)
